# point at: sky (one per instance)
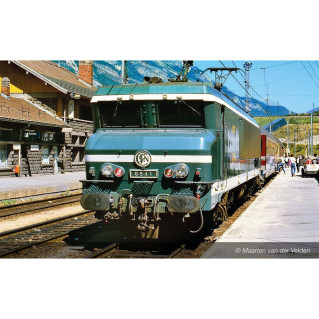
(291, 83)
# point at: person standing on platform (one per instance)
(293, 165)
(298, 163)
(289, 161)
(286, 160)
(281, 163)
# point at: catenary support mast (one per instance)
(247, 66)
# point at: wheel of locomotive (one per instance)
(251, 189)
(231, 201)
(220, 214)
(225, 212)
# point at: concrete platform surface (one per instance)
(283, 221)
(19, 187)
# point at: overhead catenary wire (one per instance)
(280, 77)
(244, 88)
(313, 70)
(249, 85)
(310, 75)
(274, 66)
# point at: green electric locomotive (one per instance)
(167, 156)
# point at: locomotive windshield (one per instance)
(120, 114)
(137, 114)
(181, 113)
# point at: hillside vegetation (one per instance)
(299, 128)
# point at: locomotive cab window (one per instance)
(120, 114)
(137, 114)
(181, 113)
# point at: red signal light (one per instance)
(168, 173)
(118, 172)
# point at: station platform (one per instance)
(283, 221)
(12, 188)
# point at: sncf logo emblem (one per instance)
(143, 158)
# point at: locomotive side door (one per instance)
(220, 130)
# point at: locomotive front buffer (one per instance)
(146, 212)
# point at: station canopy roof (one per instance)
(21, 111)
(60, 78)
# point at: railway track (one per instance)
(38, 205)
(24, 238)
(115, 250)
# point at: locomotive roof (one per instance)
(169, 91)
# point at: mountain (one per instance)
(316, 109)
(109, 73)
(257, 107)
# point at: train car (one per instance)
(271, 150)
(168, 156)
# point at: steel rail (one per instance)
(39, 200)
(13, 251)
(105, 252)
(46, 222)
(113, 251)
(40, 241)
(21, 208)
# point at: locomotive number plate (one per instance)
(148, 173)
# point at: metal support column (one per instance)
(311, 154)
(288, 151)
(294, 141)
(124, 72)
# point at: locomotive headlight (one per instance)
(181, 170)
(107, 170)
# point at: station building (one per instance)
(45, 117)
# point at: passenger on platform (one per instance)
(293, 165)
(298, 162)
(286, 161)
(281, 162)
(289, 161)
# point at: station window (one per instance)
(75, 139)
(78, 155)
(85, 112)
(3, 156)
(45, 155)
